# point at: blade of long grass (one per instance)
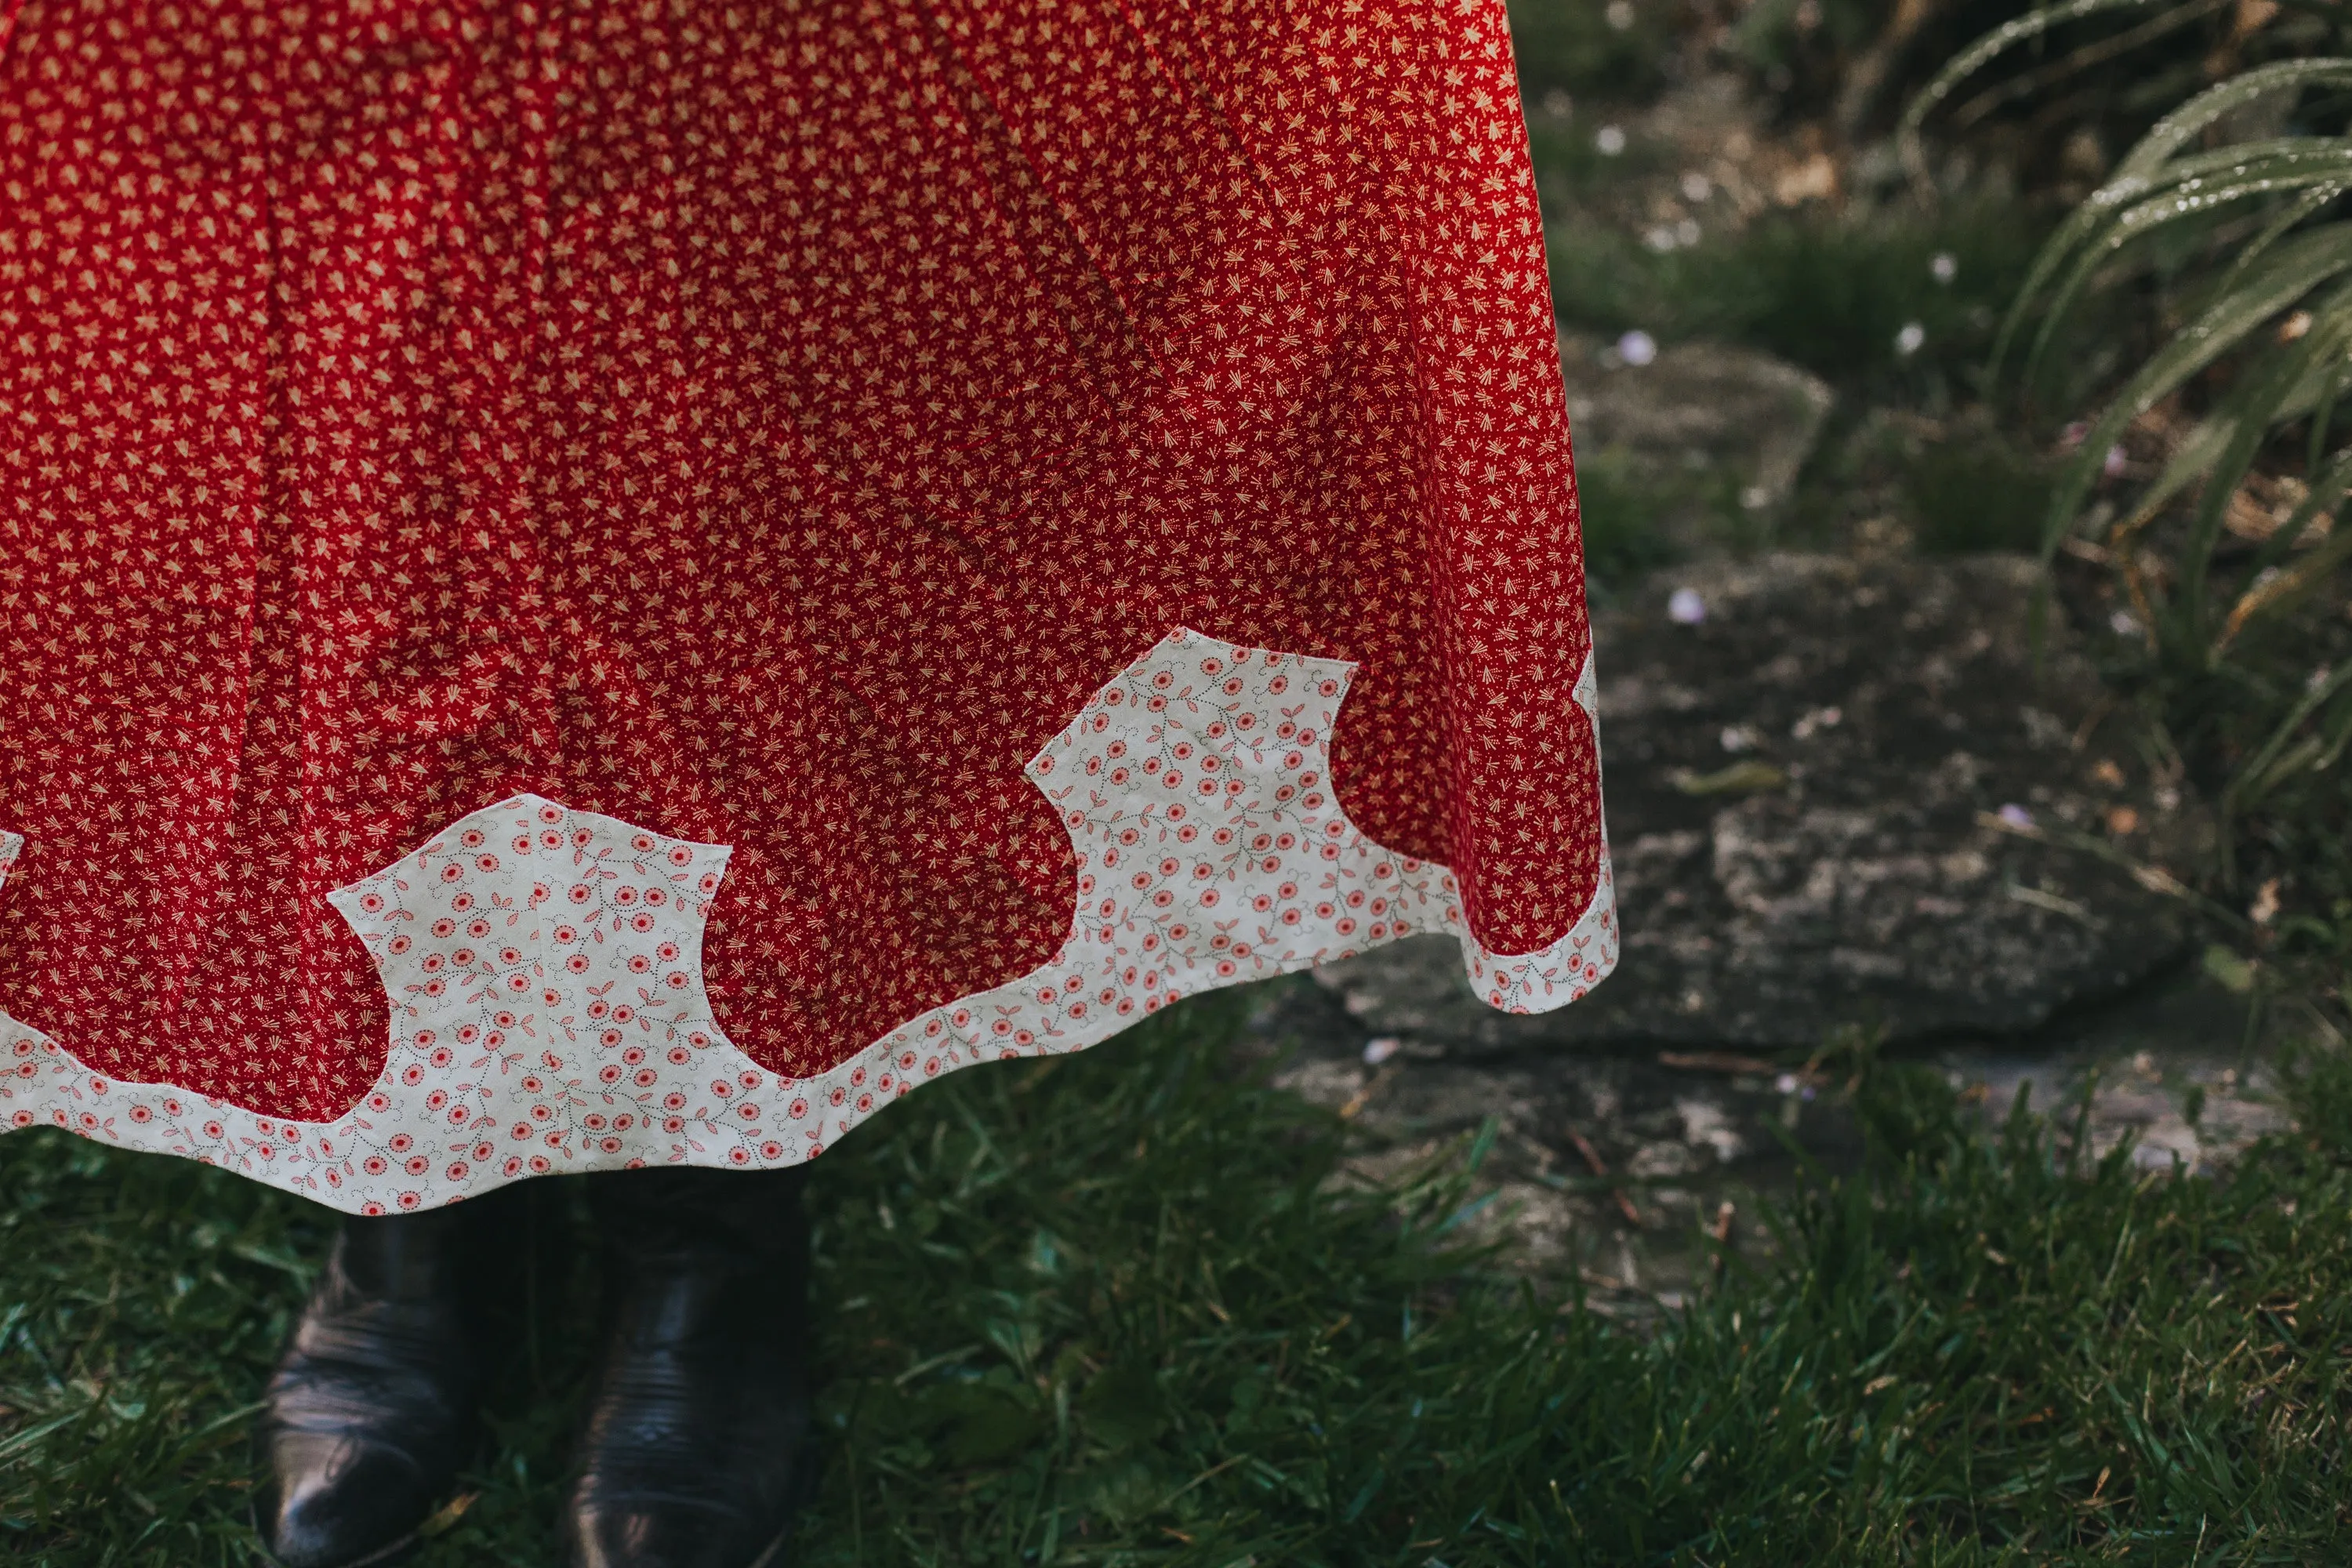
(1983, 52)
(2292, 216)
(2199, 453)
(2310, 392)
(2246, 785)
(2254, 409)
(2274, 595)
(2325, 488)
(2289, 588)
(2097, 53)
(2077, 228)
(30, 1436)
(2185, 124)
(2140, 168)
(2291, 271)
(2242, 173)
(2335, 745)
(2189, 194)
(2322, 415)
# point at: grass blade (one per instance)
(2290, 272)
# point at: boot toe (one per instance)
(652, 1529)
(372, 1409)
(335, 1502)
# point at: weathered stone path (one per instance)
(1845, 799)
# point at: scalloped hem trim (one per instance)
(544, 965)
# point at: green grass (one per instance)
(1975, 492)
(1832, 292)
(1961, 486)
(1110, 1309)
(1624, 512)
(1113, 1309)
(1569, 165)
(1573, 46)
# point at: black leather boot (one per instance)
(372, 1410)
(697, 1448)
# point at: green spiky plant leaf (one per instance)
(2239, 204)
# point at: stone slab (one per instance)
(1798, 788)
(1698, 410)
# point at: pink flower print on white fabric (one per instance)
(544, 965)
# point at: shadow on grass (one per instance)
(1111, 1308)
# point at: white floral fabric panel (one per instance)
(544, 965)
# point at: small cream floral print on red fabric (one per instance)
(764, 422)
(544, 965)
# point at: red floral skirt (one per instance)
(585, 584)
